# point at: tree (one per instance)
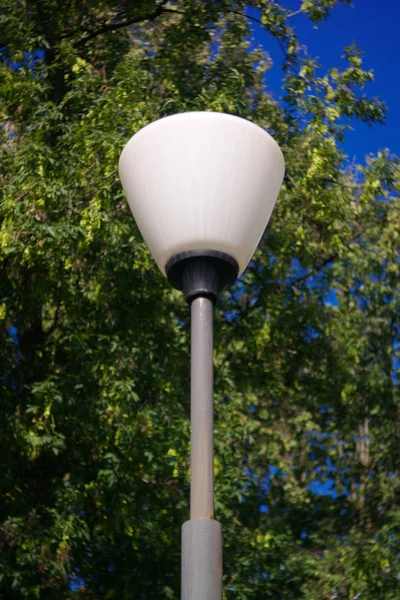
(94, 353)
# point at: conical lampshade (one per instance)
(201, 181)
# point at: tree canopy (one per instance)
(94, 446)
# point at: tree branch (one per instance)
(281, 46)
(161, 9)
(330, 258)
(317, 268)
(54, 325)
(295, 13)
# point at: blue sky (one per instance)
(374, 26)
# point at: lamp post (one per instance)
(201, 187)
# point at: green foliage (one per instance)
(94, 356)
(318, 10)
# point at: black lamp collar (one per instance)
(201, 273)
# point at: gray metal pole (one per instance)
(202, 535)
(202, 409)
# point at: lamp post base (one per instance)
(201, 560)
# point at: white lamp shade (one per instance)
(201, 181)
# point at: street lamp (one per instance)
(201, 187)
